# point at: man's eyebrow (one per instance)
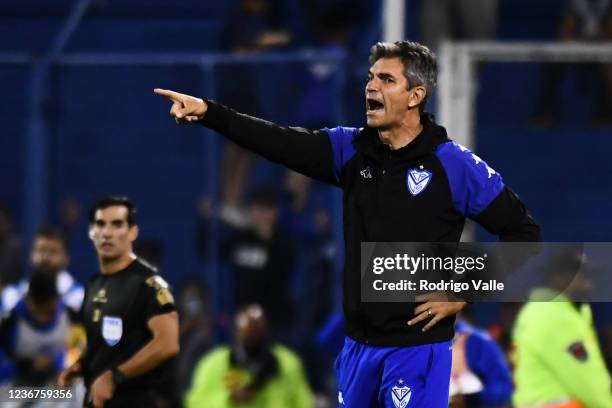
(385, 75)
(382, 75)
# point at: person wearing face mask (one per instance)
(48, 255)
(35, 333)
(254, 372)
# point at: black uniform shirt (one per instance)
(115, 313)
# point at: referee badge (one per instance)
(400, 395)
(163, 294)
(417, 180)
(112, 329)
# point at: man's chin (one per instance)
(373, 122)
(376, 124)
(108, 255)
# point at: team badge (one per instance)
(366, 173)
(417, 180)
(112, 329)
(400, 395)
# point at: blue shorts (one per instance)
(393, 377)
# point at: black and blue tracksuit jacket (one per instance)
(422, 192)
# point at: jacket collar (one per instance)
(368, 142)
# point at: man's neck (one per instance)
(404, 134)
(110, 266)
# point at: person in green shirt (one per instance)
(558, 362)
(253, 373)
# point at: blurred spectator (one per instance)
(304, 213)
(195, 331)
(49, 255)
(253, 373)
(480, 375)
(318, 85)
(582, 20)
(304, 216)
(251, 29)
(262, 259)
(557, 357)
(35, 333)
(10, 250)
(254, 26)
(440, 20)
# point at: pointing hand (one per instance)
(185, 108)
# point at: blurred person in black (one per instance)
(34, 334)
(262, 260)
(129, 315)
(587, 21)
(305, 217)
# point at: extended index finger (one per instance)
(173, 96)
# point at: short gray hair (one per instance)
(420, 64)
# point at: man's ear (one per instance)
(417, 96)
(90, 232)
(134, 231)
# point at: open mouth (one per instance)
(374, 105)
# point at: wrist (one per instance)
(75, 368)
(117, 376)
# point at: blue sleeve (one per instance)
(474, 185)
(58, 361)
(488, 362)
(341, 139)
(331, 336)
(8, 333)
(7, 367)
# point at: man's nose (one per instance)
(371, 86)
